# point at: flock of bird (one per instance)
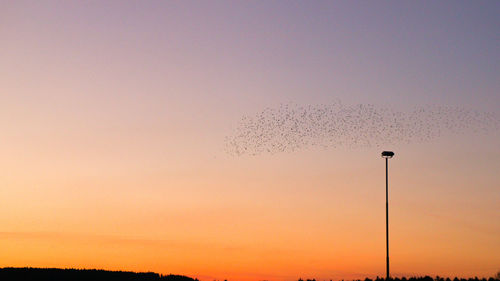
(290, 127)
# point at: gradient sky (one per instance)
(113, 116)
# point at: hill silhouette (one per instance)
(57, 274)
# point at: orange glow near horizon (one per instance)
(274, 218)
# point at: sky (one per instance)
(113, 116)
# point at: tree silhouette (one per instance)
(55, 274)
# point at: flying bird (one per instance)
(291, 127)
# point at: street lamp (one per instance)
(387, 155)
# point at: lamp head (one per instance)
(387, 154)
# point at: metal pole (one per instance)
(387, 212)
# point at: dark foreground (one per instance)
(425, 278)
(55, 274)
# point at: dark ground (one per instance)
(55, 274)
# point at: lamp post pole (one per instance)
(387, 213)
(387, 155)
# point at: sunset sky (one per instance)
(113, 116)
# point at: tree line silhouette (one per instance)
(57, 274)
(424, 278)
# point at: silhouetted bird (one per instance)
(289, 127)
